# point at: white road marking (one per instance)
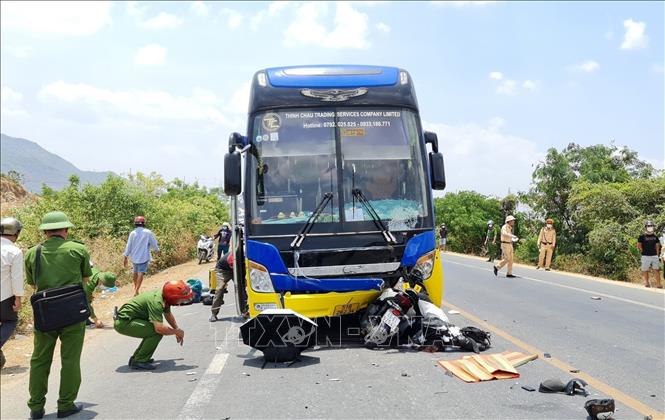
(579, 289)
(205, 389)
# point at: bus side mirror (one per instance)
(232, 167)
(437, 171)
(431, 138)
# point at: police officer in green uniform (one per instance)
(63, 262)
(107, 279)
(143, 317)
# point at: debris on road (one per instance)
(556, 386)
(600, 409)
(596, 298)
(246, 374)
(574, 371)
(334, 380)
(547, 355)
(479, 368)
(192, 380)
(404, 374)
(453, 312)
(191, 373)
(528, 388)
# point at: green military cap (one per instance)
(107, 278)
(55, 220)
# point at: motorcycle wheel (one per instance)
(201, 256)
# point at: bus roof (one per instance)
(332, 76)
(331, 86)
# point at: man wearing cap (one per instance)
(507, 239)
(143, 317)
(63, 262)
(546, 244)
(108, 280)
(224, 236)
(11, 280)
(139, 244)
(490, 241)
(649, 246)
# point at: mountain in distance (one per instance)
(39, 166)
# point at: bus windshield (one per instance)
(298, 155)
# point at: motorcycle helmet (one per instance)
(490, 222)
(10, 226)
(139, 221)
(177, 292)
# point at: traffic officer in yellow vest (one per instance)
(63, 262)
(507, 239)
(546, 244)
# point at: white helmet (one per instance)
(226, 224)
(10, 226)
(510, 218)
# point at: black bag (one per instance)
(58, 307)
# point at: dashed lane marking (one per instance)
(579, 289)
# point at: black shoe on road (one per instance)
(70, 412)
(496, 271)
(547, 269)
(143, 366)
(510, 276)
(37, 414)
(131, 361)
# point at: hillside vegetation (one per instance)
(599, 197)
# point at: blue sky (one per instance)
(149, 86)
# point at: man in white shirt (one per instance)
(11, 280)
(139, 244)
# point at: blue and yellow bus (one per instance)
(332, 190)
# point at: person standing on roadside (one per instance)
(507, 239)
(62, 262)
(139, 244)
(224, 236)
(11, 280)
(650, 247)
(546, 244)
(490, 241)
(443, 236)
(662, 254)
(143, 317)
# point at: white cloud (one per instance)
(239, 103)
(461, 3)
(199, 8)
(50, 17)
(350, 27)
(496, 75)
(657, 68)
(588, 66)
(234, 19)
(162, 21)
(150, 55)
(18, 51)
(383, 27)
(486, 150)
(274, 10)
(531, 85)
(135, 10)
(634, 38)
(144, 106)
(11, 103)
(507, 87)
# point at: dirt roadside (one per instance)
(19, 349)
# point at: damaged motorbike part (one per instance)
(600, 409)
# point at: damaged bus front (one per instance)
(335, 182)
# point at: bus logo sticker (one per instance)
(274, 136)
(259, 138)
(271, 122)
(333, 95)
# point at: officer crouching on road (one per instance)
(62, 263)
(143, 317)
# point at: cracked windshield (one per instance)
(369, 159)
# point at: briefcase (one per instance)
(58, 307)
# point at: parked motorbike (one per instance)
(205, 248)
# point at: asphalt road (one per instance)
(616, 342)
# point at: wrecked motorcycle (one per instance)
(408, 317)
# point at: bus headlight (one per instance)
(259, 278)
(425, 264)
